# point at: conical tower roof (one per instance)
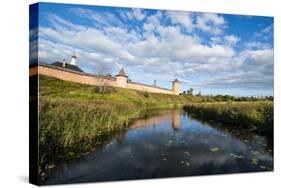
(176, 80)
(122, 73)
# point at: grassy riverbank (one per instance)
(253, 116)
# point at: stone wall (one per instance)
(85, 78)
(146, 88)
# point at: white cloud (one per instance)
(216, 40)
(231, 39)
(100, 18)
(135, 13)
(138, 14)
(153, 22)
(258, 57)
(267, 29)
(183, 18)
(89, 61)
(256, 45)
(264, 33)
(210, 23)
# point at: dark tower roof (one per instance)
(176, 80)
(122, 73)
(67, 66)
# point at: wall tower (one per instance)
(73, 60)
(121, 78)
(176, 87)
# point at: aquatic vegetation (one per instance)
(237, 156)
(214, 149)
(254, 161)
(186, 153)
(254, 152)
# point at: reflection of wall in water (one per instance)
(173, 117)
(176, 120)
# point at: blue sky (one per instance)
(212, 53)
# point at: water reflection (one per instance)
(168, 145)
(162, 117)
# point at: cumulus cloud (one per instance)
(211, 23)
(133, 14)
(182, 18)
(231, 39)
(256, 45)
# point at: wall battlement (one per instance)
(120, 80)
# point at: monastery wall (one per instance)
(85, 78)
(72, 76)
(147, 88)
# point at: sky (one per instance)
(211, 53)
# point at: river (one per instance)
(169, 144)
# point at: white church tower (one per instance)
(73, 60)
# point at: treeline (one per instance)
(225, 98)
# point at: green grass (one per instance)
(254, 116)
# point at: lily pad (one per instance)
(254, 161)
(214, 149)
(186, 153)
(254, 152)
(236, 156)
(51, 166)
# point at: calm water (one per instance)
(168, 145)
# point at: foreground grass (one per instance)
(254, 116)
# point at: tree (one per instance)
(189, 92)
